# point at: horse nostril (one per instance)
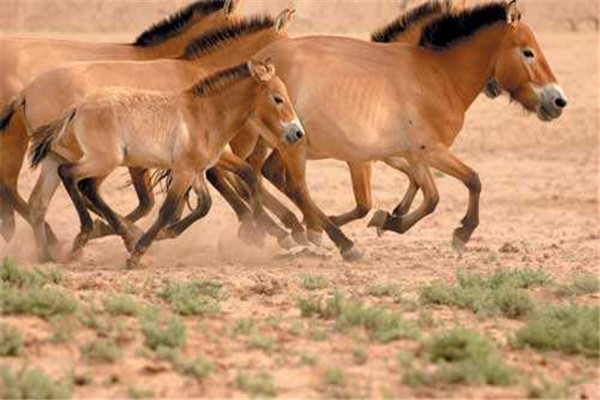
(299, 134)
(560, 102)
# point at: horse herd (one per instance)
(210, 93)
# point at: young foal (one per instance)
(21, 60)
(184, 132)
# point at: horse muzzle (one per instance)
(552, 102)
(294, 132)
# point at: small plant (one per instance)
(502, 293)
(381, 325)
(135, 392)
(334, 376)
(296, 328)
(314, 282)
(244, 326)
(63, 327)
(43, 302)
(257, 385)
(359, 356)
(14, 276)
(101, 351)
(158, 331)
(260, 342)
(32, 384)
(318, 334)
(571, 329)
(308, 359)
(200, 368)
(11, 341)
(580, 285)
(545, 389)
(461, 357)
(193, 298)
(382, 290)
(121, 305)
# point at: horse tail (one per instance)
(45, 135)
(16, 102)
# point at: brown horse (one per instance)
(243, 38)
(184, 132)
(23, 59)
(392, 101)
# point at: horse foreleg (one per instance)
(297, 190)
(446, 162)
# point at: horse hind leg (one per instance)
(361, 186)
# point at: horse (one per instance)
(184, 132)
(21, 60)
(391, 101)
(217, 48)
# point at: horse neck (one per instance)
(470, 64)
(241, 50)
(230, 109)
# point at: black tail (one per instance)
(8, 112)
(43, 137)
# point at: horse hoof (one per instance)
(300, 238)
(352, 254)
(80, 241)
(378, 221)
(286, 242)
(315, 237)
(460, 239)
(133, 262)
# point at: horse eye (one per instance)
(528, 53)
(278, 100)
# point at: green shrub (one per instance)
(571, 329)
(43, 302)
(257, 385)
(159, 331)
(193, 298)
(11, 341)
(314, 282)
(14, 276)
(121, 304)
(580, 285)
(101, 350)
(32, 383)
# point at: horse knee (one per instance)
(473, 183)
(362, 210)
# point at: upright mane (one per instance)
(450, 29)
(216, 38)
(177, 23)
(221, 80)
(390, 32)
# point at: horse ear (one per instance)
(261, 71)
(283, 20)
(513, 15)
(230, 6)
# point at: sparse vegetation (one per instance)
(383, 290)
(308, 359)
(580, 285)
(545, 389)
(571, 329)
(461, 357)
(334, 376)
(101, 351)
(192, 298)
(200, 368)
(161, 331)
(314, 282)
(135, 392)
(359, 356)
(14, 276)
(382, 325)
(11, 340)
(32, 383)
(256, 385)
(501, 293)
(121, 304)
(260, 342)
(43, 302)
(244, 326)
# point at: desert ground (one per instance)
(515, 315)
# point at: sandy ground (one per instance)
(540, 194)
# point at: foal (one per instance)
(185, 132)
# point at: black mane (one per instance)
(177, 23)
(220, 80)
(452, 28)
(390, 32)
(211, 40)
